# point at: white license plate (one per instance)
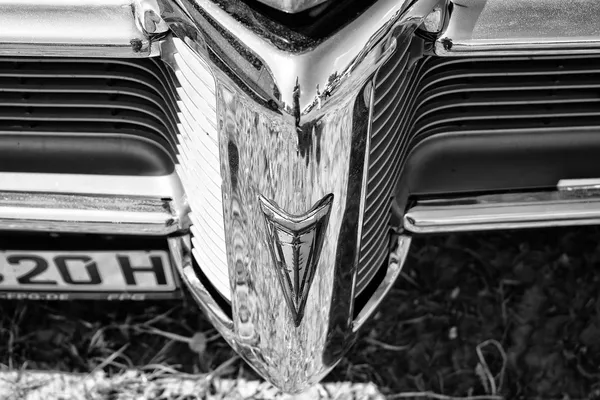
(89, 271)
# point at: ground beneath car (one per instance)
(502, 315)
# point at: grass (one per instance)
(502, 315)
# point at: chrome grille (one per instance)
(507, 93)
(415, 100)
(199, 165)
(392, 110)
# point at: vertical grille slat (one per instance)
(395, 83)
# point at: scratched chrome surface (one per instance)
(198, 162)
(515, 26)
(293, 6)
(99, 28)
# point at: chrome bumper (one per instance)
(272, 162)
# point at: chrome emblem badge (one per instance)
(295, 242)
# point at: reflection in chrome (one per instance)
(295, 242)
(97, 28)
(100, 214)
(293, 6)
(180, 248)
(293, 128)
(509, 27)
(568, 206)
(162, 186)
(198, 159)
(396, 259)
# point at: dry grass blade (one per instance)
(494, 388)
(436, 396)
(220, 370)
(110, 359)
(168, 335)
(386, 346)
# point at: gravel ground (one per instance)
(502, 315)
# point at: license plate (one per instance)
(118, 275)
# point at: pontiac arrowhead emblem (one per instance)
(295, 242)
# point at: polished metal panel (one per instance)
(167, 186)
(507, 27)
(330, 66)
(295, 242)
(102, 28)
(198, 159)
(505, 211)
(62, 108)
(294, 129)
(293, 6)
(233, 333)
(79, 213)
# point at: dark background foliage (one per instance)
(528, 300)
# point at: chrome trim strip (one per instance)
(167, 186)
(520, 27)
(578, 184)
(181, 251)
(98, 28)
(396, 261)
(295, 242)
(113, 215)
(505, 211)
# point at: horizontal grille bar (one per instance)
(417, 99)
(126, 102)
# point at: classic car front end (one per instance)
(274, 160)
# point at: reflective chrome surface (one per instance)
(258, 122)
(293, 129)
(109, 204)
(165, 186)
(180, 247)
(504, 27)
(198, 159)
(293, 6)
(397, 257)
(289, 79)
(181, 253)
(99, 28)
(47, 212)
(579, 206)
